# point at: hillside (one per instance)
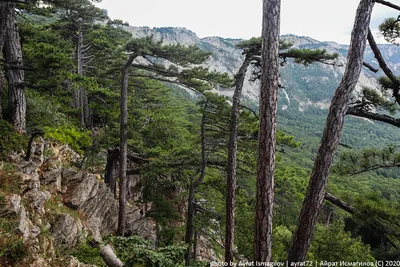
(307, 91)
(115, 142)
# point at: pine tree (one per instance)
(330, 140)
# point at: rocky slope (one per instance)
(54, 206)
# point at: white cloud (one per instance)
(325, 20)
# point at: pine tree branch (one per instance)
(376, 167)
(370, 67)
(389, 4)
(384, 66)
(249, 109)
(373, 116)
(339, 203)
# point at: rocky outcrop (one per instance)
(14, 208)
(89, 195)
(67, 231)
(64, 203)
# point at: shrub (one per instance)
(9, 139)
(88, 252)
(136, 251)
(77, 139)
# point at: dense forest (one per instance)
(219, 180)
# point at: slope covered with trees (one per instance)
(153, 122)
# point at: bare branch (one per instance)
(384, 66)
(386, 3)
(338, 202)
(370, 67)
(373, 116)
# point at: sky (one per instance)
(323, 20)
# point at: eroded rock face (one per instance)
(67, 231)
(86, 193)
(15, 209)
(43, 178)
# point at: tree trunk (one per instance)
(111, 165)
(3, 16)
(14, 69)
(194, 184)
(330, 140)
(81, 95)
(189, 224)
(123, 145)
(267, 130)
(232, 157)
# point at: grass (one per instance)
(55, 206)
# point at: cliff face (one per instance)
(54, 206)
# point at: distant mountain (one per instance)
(304, 86)
(307, 90)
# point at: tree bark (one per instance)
(81, 95)
(189, 224)
(14, 69)
(194, 184)
(232, 158)
(373, 116)
(110, 178)
(123, 145)
(384, 66)
(3, 16)
(330, 140)
(109, 257)
(267, 130)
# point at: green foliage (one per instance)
(332, 243)
(308, 56)
(282, 239)
(178, 53)
(43, 111)
(12, 248)
(136, 251)
(67, 134)
(89, 252)
(390, 29)
(10, 140)
(254, 44)
(371, 99)
(358, 161)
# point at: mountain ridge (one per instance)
(307, 86)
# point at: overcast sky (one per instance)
(324, 20)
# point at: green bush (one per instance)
(43, 111)
(89, 253)
(136, 251)
(10, 140)
(70, 135)
(12, 248)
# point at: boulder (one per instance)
(66, 232)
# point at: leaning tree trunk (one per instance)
(14, 69)
(267, 130)
(330, 140)
(123, 145)
(232, 157)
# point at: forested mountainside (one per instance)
(114, 135)
(307, 90)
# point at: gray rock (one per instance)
(36, 199)
(83, 192)
(14, 208)
(70, 176)
(66, 232)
